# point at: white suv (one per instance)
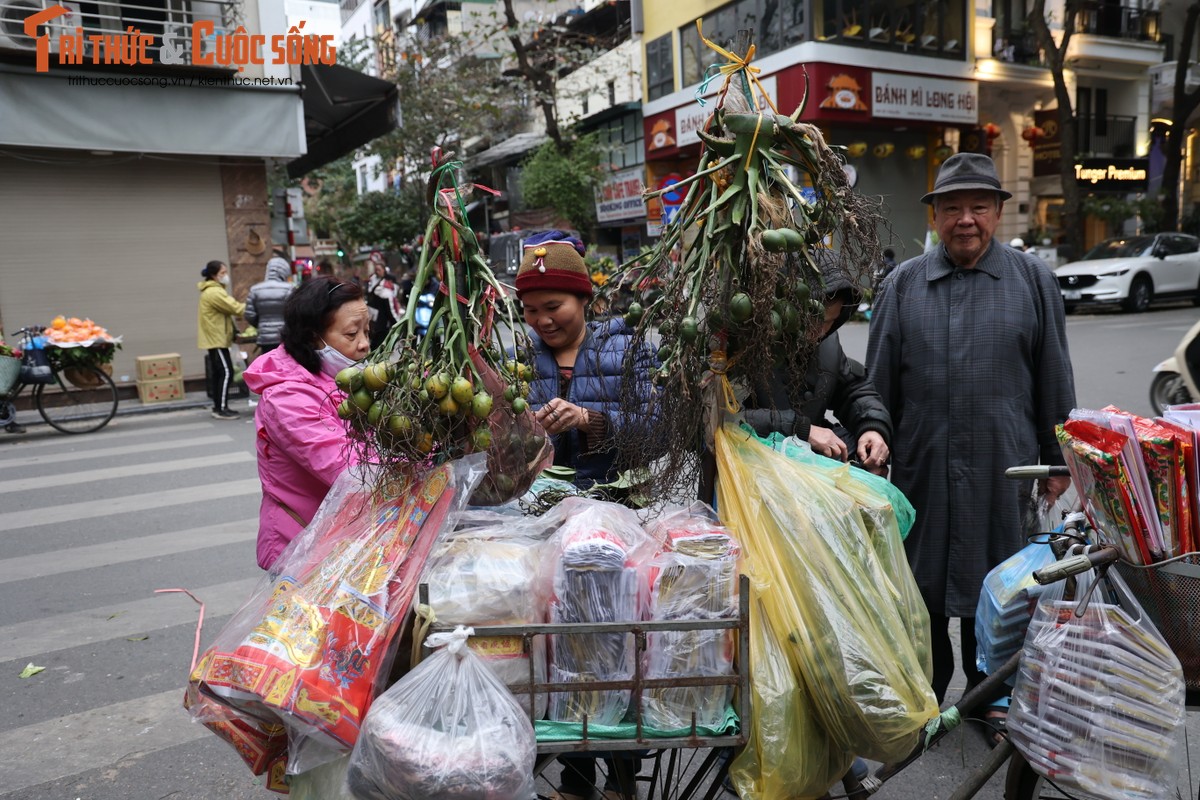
(1133, 271)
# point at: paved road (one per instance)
(90, 526)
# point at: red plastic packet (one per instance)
(1092, 454)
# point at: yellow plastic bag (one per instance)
(832, 596)
(787, 755)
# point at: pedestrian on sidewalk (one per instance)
(383, 299)
(968, 349)
(217, 310)
(264, 304)
(302, 443)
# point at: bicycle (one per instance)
(1148, 584)
(71, 399)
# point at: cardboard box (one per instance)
(155, 368)
(160, 391)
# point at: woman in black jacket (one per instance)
(835, 383)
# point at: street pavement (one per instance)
(91, 526)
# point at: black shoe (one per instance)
(228, 413)
(14, 427)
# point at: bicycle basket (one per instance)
(35, 367)
(10, 370)
(1170, 596)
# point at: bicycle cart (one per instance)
(76, 398)
(682, 765)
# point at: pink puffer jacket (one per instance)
(302, 446)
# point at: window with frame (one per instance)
(774, 25)
(622, 142)
(660, 68)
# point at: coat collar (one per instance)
(939, 264)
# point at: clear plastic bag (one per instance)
(310, 647)
(831, 598)
(594, 558)
(1006, 604)
(694, 579)
(326, 782)
(449, 730)
(1098, 703)
(787, 755)
(489, 574)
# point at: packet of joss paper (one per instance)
(1092, 454)
(311, 646)
(1162, 457)
(1189, 485)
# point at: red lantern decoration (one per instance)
(1032, 134)
(992, 131)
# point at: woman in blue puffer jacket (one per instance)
(579, 366)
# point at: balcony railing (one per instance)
(1106, 136)
(1118, 22)
(166, 21)
(1017, 47)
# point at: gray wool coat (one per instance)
(973, 366)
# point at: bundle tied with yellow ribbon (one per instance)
(731, 292)
(830, 598)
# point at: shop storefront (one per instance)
(896, 127)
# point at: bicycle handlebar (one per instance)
(1073, 565)
(1036, 471)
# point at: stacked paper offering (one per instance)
(1099, 697)
(1138, 478)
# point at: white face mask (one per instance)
(333, 361)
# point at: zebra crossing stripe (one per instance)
(35, 637)
(125, 471)
(58, 562)
(58, 748)
(107, 506)
(117, 429)
(107, 452)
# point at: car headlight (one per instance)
(1114, 274)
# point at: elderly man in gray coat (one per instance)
(968, 349)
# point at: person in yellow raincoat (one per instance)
(217, 310)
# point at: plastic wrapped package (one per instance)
(490, 575)
(888, 517)
(787, 755)
(1098, 702)
(448, 730)
(694, 579)
(258, 743)
(831, 598)
(1006, 604)
(310, 646)
(594, 558)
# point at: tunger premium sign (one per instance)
(1113, 174)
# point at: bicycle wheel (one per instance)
(81, 405)
(674, 774)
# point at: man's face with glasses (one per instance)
(965, 223)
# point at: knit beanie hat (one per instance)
(553, 260)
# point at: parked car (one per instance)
(1133, 271)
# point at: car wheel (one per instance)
(1141, 292)
(1069, 308)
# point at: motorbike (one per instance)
(1174, 380)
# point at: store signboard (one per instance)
(1112, 174)
(1047, 145)
(691, 118)
(619, 196)
(921, 97)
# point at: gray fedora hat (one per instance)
(966, 171)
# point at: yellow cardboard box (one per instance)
(160, 391)
(154, 368)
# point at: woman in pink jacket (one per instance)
(302, 444)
